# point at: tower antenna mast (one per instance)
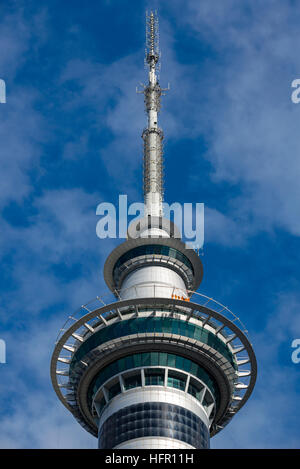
(152, 134)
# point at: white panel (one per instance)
(155, 232)
(153, 281)
(154, 443)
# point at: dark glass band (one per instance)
(155, 419)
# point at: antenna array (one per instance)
(152, 37)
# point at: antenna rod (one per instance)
(152, 135)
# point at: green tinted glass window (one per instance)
(102, 404)
(156, 358)
(155, 249)
(132, 381)
(137, 360)
(151, 324)
(114, 390)
(146, 359)
(195, 391)
(171, 360)
(163, 359)
(154, 377)
(176, 381)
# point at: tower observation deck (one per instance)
(153, 364)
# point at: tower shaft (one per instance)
(150, 368)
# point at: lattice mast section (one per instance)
(153, 135)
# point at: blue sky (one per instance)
(70, 139)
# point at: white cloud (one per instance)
(22, 127)
(61, 235)
(63, 231)
(40, 421)
(269, 419)
(241, 105)
(244, 111)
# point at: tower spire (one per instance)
(152, 45)
(153, 135)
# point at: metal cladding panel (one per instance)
(151, 276)
(154, 443)
(154, 232)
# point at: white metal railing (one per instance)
(153, 291)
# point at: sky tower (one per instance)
(160, 366)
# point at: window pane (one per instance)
(171, 360)
(195, 391)
(154, 377)
(132, 381)
(137, 360)
(163, 359)
(114, 390)
(154, 358)
(175, 380)
(146, 359)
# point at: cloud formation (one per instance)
(246, 113)
(231, 93)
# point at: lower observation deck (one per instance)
(201, 348)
